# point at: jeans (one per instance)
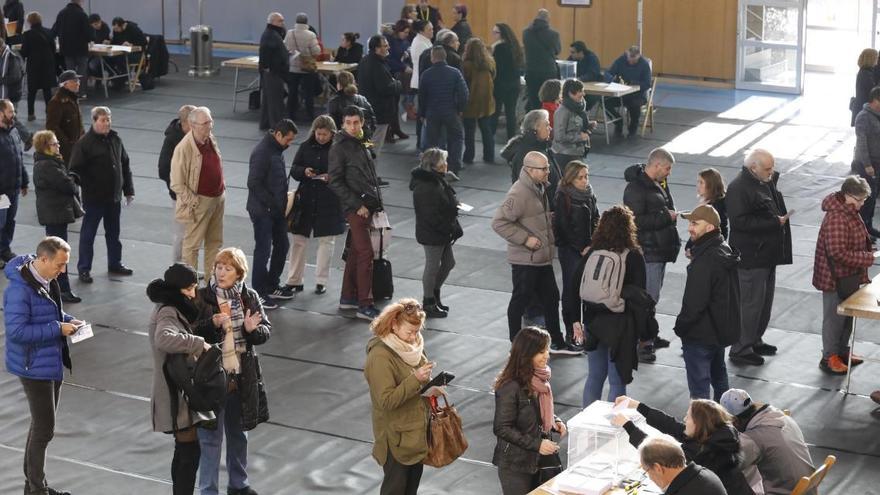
(42, 397)
(308, 82)
(470, 130)
(211, 443)
(109, 212)
(357, 279)
(451, 123)
(599, 367)
(60, 230)
(569, 258)
(400, 479)
(439, 261)
(7, 221)
(836, 329)
(270, 248)
(704, 365)
(756, 288)
(32, 98)
(654, 274)
(529, 281)
(507, 101)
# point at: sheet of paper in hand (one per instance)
(83, 332)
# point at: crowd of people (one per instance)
(613, 263)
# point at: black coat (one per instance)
(318, 212)
(38, 46)
(588, 68)
(267, 179)
(13, 175)
(274, 56)
(379, 87)
(436, 208)
(102, 34)
(575, 221)
(103, 168)
(864, 83)
(754, 208)
(64, 119)
(353, 174)
(517, 426)
(651, 203)
(710, 305)
(453, 59)
(696, 480)
(721, 453)
(132, 34)
(12, 67)
(351, 55)
(541, 46)
(57, 193)
(173, 135)
(507, 72)
(73, 30)
(337, 105)
(463, 30)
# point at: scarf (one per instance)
(410, 353)
(578, 108)
(541, 385)
(233, 339)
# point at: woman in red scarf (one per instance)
(524, 416)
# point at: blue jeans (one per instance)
(434, 127)
(599, 367)
(654, 273)
(109, 212)
(7, 221)
(211, 443)
(704, 365)
(270, 248)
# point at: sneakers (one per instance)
(241, 491)
(833, 365)
(646, 354)
(765, 349)
(382, 182)
(85, 277)
(52, 491)
(747, 359)
(856, 359)
(282, 293)
(348, 303)
(69, 297)
(269, 303)
(121, 270)
(368, 313)
(294, 288)
(660, 343)
(563, 349)
(320, 289)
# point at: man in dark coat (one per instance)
(13, 176)
(588, 68)
(541, 46)
(100, 30)
(63, 116)
(266, 205)
(760, 231)
(443, 94)
(461, 27)
(450, 42)
(38, 45)
(127, 33)
(174, 134)
(630, 68)
(866, 155)
(274, 69)
(709, 317)
(11, 73)
(379, 87)
(100, 160)
(74, 35)
(663, 460)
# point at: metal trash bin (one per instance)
(202, 46)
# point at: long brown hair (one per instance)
(714, 183)
(529, 342)
(509, 37)
(708, 417)
(616, 231)
(475, 51)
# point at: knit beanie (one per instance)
(180, 276)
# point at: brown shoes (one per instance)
(875, 396)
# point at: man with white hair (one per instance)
(523, 219)
(760, 231)
(274, 71)
(197, 180)
(541, 47)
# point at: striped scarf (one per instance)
(232, 298)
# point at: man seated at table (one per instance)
(663, 460)
(126, 33)
(100, 28)
(588, 68)
(633, 69)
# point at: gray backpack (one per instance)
(602, 280)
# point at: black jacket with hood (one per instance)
(173, 135)
(574, 221)
(541, 46)
(353, 176)
(436, 208)
(651, 203)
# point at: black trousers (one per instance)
(867, 210)
(42, 397)
(400, 479)
(470, 131)
(60, 230)
(308, 82)
(516, 483)
(529, 281)
(506, 101)
(633, 104)
(32, 98)
(534, 80)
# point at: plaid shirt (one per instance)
(844, 239)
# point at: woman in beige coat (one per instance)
(170, 334)
(479, 73)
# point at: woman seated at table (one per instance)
(707, 437)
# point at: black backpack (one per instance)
(203, 383)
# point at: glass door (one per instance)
(770, 45)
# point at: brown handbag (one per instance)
(446, 441)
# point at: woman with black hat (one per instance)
(170, 333)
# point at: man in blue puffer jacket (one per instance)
(36, 346)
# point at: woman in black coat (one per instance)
(317, 210)
(58, 202)
(437, 227)
(865, 80)
(350, 51)
(38, 47)
(508, 64)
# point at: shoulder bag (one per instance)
(307, 63)
(446, 441)
(846, 286)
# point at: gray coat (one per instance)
(525, 212)
(170, 334)
(567, 128)
(867, 150)
(775, 444)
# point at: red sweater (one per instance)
(211, 177)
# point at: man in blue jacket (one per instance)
(13, 176)
(266, 204)
(630, 68)
(443, 95)
(36, 346)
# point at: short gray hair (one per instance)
(544, 14)
(184, 111)
(273, 16)
(757, 157)
(660, 155)
(438, 54)
(663, 450)
(50, 246)
(98, 112)
(195, 112)
(302, 18)
(446, 37)
(432, 157)
(531, 120)
(856, 186)
(633, 50)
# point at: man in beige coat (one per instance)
(524, 221)
(197, 180)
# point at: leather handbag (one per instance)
(549, 465)
(307, 63)
(446, 441)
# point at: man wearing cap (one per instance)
(771, 441)
(62, 114)
(630, 68)
(709, 317)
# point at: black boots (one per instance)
(437, 300)
(432, 309)
(184, 467)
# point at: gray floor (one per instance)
(318, 440)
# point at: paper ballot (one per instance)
(4, 202)
(82, 333)
(465, 207)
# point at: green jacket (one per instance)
(400, 414)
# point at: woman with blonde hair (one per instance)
(707, 435)
(865, 80)
(396, 369)
(478, 67)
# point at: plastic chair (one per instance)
(809, 484)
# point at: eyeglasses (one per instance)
(412, 308)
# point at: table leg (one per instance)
(852, 341)
(605, 119)
(104, 76)
(235, 90)
(128, 73)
